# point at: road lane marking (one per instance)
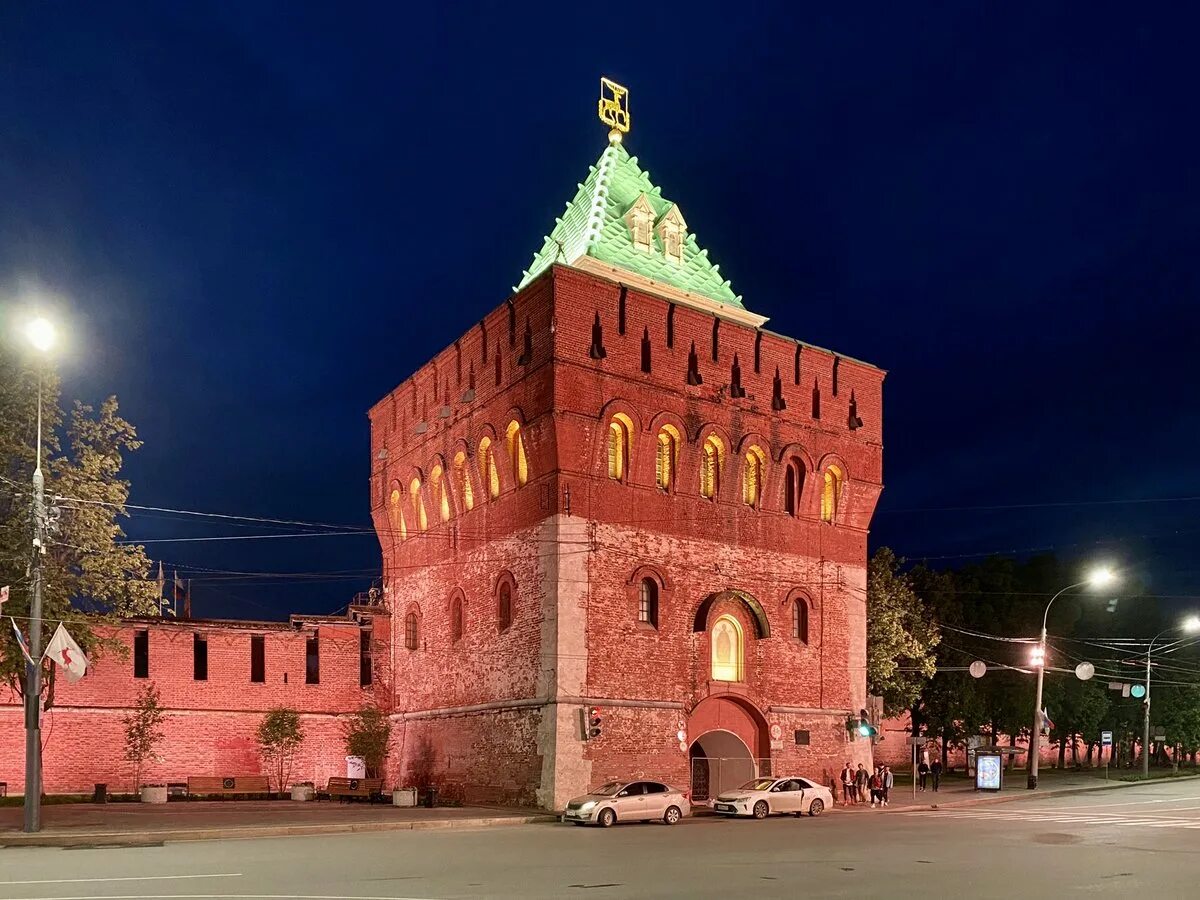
(122, 878)
(222, 897)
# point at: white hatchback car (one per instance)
(767, 796)
(628, 801)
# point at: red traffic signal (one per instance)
(594, 723)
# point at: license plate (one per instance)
(724, 807)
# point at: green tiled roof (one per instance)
(594, 225)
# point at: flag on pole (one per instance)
(1047, 723)
(63, 650)
(21, 641)
(3, 597)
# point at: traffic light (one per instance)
(862, 727)
(595, 726)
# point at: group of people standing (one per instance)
(927, 771)
(858, 783)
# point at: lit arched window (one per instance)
(396, 515)
(726, 649)
(648, 602)
(487, 468)
(456, 619)
(620, 446)
(800, 620)
(666, 457)
(411, 637)
(711, 458)
(504, 606)
(462, 479)
(418, 505)
(752, 476)
(793, 484)
(516, 452)
(441, 496)
(831, 494)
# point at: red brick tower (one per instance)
(619, 491)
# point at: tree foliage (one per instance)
(86, 569)
(280, 735)
(901, 635)
(143, 730)
(367, 733)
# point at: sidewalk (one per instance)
(958, 790)
(87, 824)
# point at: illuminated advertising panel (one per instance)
(987, 772)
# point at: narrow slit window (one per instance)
(365, 667)
(141, 654)
(312, 660)
(199, 657)
(258, 658)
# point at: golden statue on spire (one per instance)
(614, 109)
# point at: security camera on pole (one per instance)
(1097, 579)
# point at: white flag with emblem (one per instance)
(63, 650)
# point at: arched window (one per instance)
(396, 515)
(726, 649)
(711, 458)
(620, 446)
(504, 606)
(516, 452)
(418, 505)
(831, 494)
(411, 636)
(800, 620)
(793, 484)
(488, 474)
(456, 619)
(648, 602)
(441, 496)
(752, 476)
(462, 480)
(666, 457)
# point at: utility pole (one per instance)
(33, 670)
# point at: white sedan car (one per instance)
(628, 801)
(766, 796)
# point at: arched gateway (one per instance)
(728, 745)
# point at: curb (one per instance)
(1035, 795)
(100, 839)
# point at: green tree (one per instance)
(279, 736)
(143, 731)
(87, 570)
(901, 635)
(367, 733)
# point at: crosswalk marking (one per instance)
(1129, 820)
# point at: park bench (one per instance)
(367, 788)
(228, 786)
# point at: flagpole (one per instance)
(33, 670)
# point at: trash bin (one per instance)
(100, 794)
(430, 797)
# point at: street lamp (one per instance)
(1097, 578)
(41, 336)
(1191, 623)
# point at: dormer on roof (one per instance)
(640, 219)
(672, 232)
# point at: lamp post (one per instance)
(1098, 578)
(41, 336)
(1192, 623)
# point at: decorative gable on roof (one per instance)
(603, 224)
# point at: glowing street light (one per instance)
(1191, 623)
(1100, 577)
(41, 334)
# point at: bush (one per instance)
(279, 735)
(367, 733)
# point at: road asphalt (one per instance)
(1143, 841)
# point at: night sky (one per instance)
(256, 219)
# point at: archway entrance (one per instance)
(720, 761)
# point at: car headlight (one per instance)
(587, 806)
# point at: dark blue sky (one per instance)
(260, 217)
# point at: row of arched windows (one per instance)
(713, 463)
(411, 512)
(505, 590)
(650, 590)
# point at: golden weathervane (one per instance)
(613, 108)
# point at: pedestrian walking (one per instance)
(936, 771)
(861, 777)
(848, 784)
(876, 785)
(888, 781)
(923, 773)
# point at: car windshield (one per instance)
(609, 789)
(759, 784)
